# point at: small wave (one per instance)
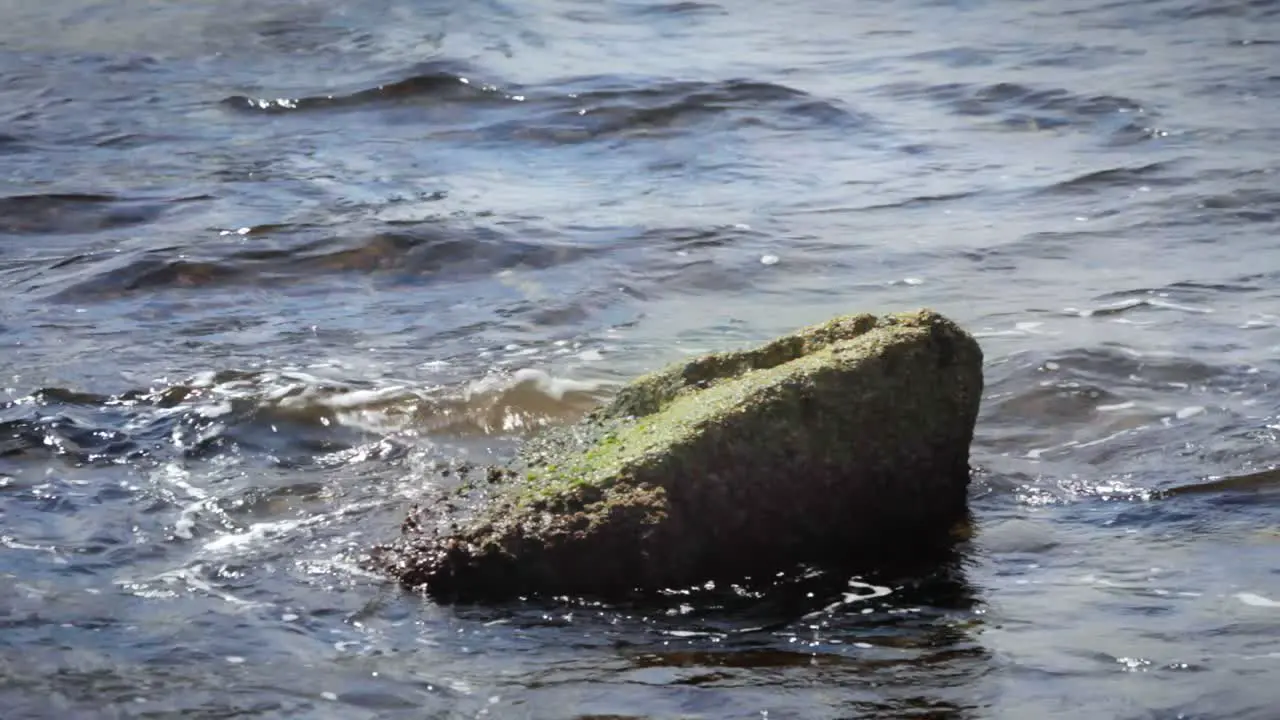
(1254, 482)
(194, 419)
(919, 201)
(428, 250)
(1254, 10)
(600, 107)
(584, 109)
(1119, 408)
(154, 271)
(1136, 303)
(1189, 297)
(680, 9)
(699, 238)
(62, 213)
(11, 144)
(432, 85)
(1148, 176)
(404, 254)
(1121, 120)
(963, 56)
(508, 404)
(1247, 205)
(59, 422)
(1043, 491)
(1241, 206)
(288, 417)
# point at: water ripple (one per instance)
(583, 108)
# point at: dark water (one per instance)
(262, 265)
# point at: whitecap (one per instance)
(1255, 600)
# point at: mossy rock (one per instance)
(843, 442)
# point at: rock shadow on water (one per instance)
(886, 644)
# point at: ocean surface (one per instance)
(263, 266)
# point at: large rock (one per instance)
(847, 441)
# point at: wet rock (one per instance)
(844, 442)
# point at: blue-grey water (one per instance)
(263, 265)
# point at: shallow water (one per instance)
(263, 266)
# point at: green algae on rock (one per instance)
(843, 442)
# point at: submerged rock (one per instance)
(843, 442)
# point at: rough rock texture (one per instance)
(847, 441)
